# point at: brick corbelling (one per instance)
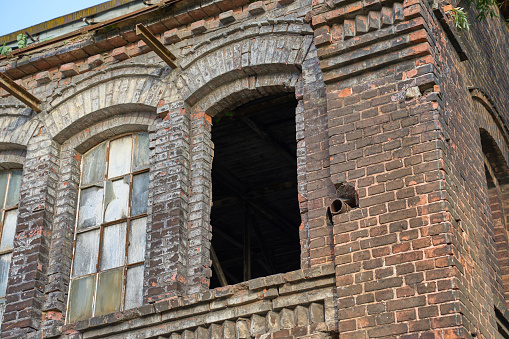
(165, 274)
(28, 275)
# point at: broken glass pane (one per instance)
(140, 157)
(109, 291)
(113, 250)
(80, 299)
(4, 176)
(116, 199)
(137, 239)
(140, 194)
(120, 156)
(5, 263)
(134, 287)
(9, 230)
(87, 250)
(94, 165)
(90, 207)
(13, 191)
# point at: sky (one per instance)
(16, 15)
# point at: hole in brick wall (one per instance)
(255, 214)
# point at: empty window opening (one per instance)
(109, 245)
(255, 213)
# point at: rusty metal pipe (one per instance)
(339, 206)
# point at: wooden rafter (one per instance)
(19, 92)
(144, 34)
(218, 268)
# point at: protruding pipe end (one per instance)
(339, 206)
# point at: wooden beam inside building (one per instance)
(19, 92)
(144, 34)
(218, 268)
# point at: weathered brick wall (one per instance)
(384, 104)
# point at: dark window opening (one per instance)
(255, 214)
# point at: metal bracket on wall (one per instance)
(19, 92)
(144, 34)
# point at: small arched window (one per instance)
(10, 182)
(109, 245)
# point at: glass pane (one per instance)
(94, 165)
(80, 299)
(9, 230)
(109, 292)
(120, 156)
(140, 156)
(2, 309)
(4, 176)
(113, 250)
(5, 263)
(137, 239)
(87, 250)
(90, 207)
(134, 287)
(140, 194)
(116, 199)
(13, 191)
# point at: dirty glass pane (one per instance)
(90, 207)
(94, 165)
(140, 194)
(120, 156)
(13, 191)
(113, 250)
(9, 230)
(134, 287)
(5, 262)
(2, 309)
(109, 291)
(137, 238)
(80, 299)
(4, 176)
(116, 199)
(140, 156)
(87, 249)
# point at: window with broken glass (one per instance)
(109, 244)
(10, 182)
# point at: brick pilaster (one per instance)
(28, 274)
(165, 274)
(199, 229)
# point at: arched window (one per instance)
(109, 246)
(10, 182)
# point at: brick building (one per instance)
(255, 169)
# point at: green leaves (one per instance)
(22, 40)
(459, 17)
(4, 50)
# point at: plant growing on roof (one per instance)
(22, 40)
(4, 50)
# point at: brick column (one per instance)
(28, 274)
(165, 274)
(315, 186)
(60, 255)
(199, 229)
(394, 267)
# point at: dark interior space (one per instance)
(255, 213)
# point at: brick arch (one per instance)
(241, 91)
(493, 139)
(16, 131)
(106, 129)
(117, 90)
(242, 59)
